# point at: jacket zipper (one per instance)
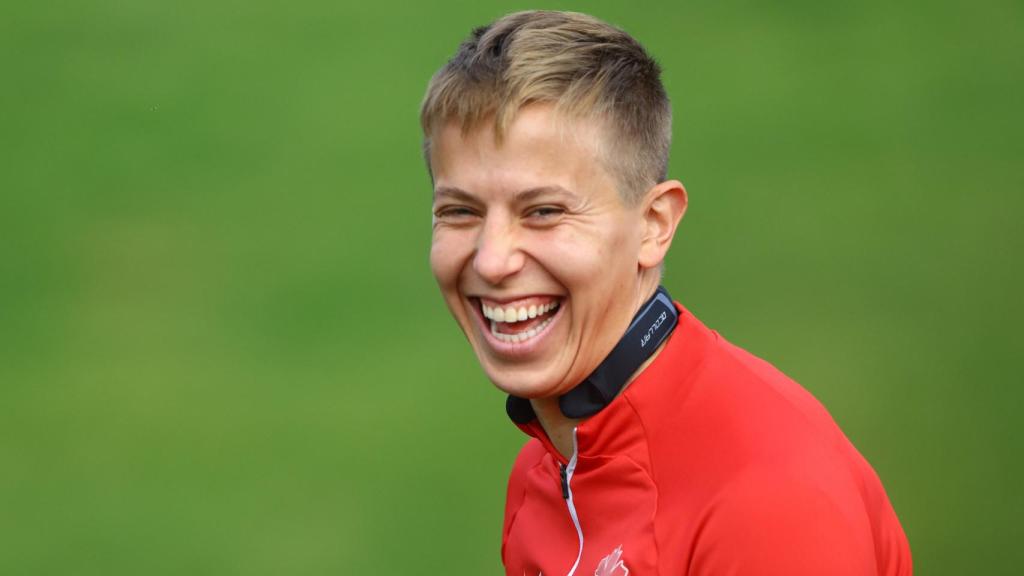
(566, 472)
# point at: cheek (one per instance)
(621, 247)
(446, 259)
(583, 259)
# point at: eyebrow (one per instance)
(521, 196)
(456, 193)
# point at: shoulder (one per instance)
(744, 422)
(530, 456)
(772, 521)
(781, 488)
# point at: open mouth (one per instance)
(521, 320)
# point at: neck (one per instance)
(556, 425)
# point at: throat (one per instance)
(555, 424)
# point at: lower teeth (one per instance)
(525, 335)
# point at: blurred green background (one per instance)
(222, 350)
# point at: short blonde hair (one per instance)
(585, 67)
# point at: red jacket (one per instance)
(711, 462)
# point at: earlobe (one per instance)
(664, 206)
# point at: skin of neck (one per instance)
(558, 426)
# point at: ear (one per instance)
(663, 207)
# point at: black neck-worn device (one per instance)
(650, 327)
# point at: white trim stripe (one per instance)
(572, 507)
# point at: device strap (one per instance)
(650, 327)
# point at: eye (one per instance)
(452, 211)
(455, 214)
(545, 212)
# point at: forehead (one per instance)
(538, 149)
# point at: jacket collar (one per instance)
(656, 393)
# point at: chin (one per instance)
(524, 384)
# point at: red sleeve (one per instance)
(529, 455)
(768, 525)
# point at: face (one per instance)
(534, 250)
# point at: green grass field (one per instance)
(222, 350)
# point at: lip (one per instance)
(515, 349)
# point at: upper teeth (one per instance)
(513, 314)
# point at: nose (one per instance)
(498, 254)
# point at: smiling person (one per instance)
(657, 446)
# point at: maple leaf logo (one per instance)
(612, 565)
